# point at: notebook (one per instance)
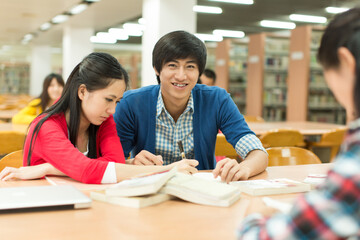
(37, 197)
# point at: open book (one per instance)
(201, 191)
(271, 187)
(141, 185)
(135, 202)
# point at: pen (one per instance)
(182, 153)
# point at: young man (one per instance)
(208, 77)
(155, 118)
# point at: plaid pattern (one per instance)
(248, 143)
(168, 133)
(330, 212)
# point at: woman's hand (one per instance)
(230, 170)
(186, 166)
(29, 172)
(146, 158)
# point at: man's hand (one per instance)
(230, 170)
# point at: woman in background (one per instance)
(52, 88)
(332, 211)
(77, 136)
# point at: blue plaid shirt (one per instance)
(168, 133)
(332, 211)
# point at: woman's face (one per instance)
(54, 90)
(98, 105)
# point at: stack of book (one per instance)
(155, 188)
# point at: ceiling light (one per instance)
(336, 10)
(247, 2)
(229, 33)
(45, 26)
(307, 18)
(60, 18)
(28, 37)
(118, 33)
(78, 9)
(277, 24)
(142, 21)
(206, 9)
(102, 37)
(209, 37)
(133, 26)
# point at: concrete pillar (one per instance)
(163, 16)
(40, 67)
(76, 45)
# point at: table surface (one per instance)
(13, 127)
(174, 219)
(8, 114)
(305, 128)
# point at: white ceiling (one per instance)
(19, 17)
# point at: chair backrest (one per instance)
(249, 118)
(282, 156)
(223, 148)
(332, 140)
(11, 141)
(282, 138)
(14, 159)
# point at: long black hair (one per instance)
(343, 31)
(96, 71)
(44, 96)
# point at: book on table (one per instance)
(141, 185)
(135, 202)
(271, 186)
(201, 191)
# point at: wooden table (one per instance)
(13, 127)
(7, 115)
(173, 219)
(305, 128)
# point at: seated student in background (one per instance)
(77, 135)
(52, 88)
(332, 211)
(208, 77)
(155, 118)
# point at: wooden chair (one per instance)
(332, 140)
(223, 148)
(282, 156)
(14, 159)
(11, 141)
(282, 138)
(249, 118)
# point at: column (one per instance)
(40, 67)
(76, 45)
(163, 16)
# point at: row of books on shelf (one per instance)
(275, 96)
(276, 62)
(338, 117)
(200, 188)
(274, 114)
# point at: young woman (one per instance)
(333, 210)
(52, 88)
(77, 135)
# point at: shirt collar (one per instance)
(160, 104)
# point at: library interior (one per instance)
(264, 54)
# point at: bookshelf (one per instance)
(14, 78)
(237, 73)
(266, 94)
(275, 74)
(310, 98)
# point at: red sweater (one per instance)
(52, 145)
